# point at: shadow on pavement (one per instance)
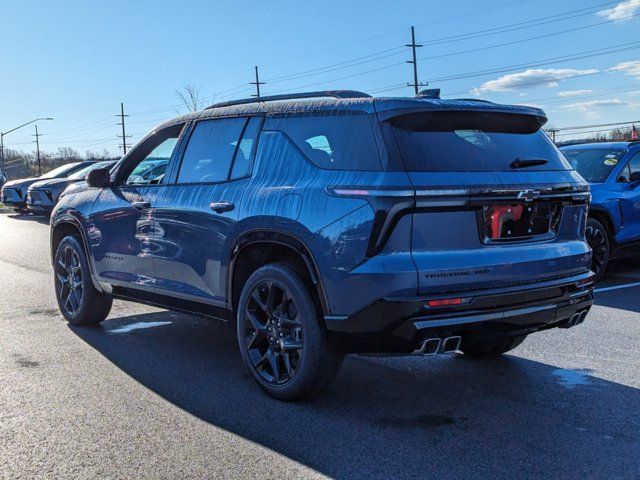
(621, 272)
(391, 418)
(28, 218)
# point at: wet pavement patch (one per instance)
(25, 362)
(571, 378)
(419, 421)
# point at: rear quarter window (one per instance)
(332, 142)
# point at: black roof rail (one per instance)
(294, 96)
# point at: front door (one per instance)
(194, 218)
(630, 203)
(120, 230)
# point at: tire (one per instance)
(490, 347)
(80, 303)
(598, 239)
(282, 343)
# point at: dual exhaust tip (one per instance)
(431, 346)
(575, 319)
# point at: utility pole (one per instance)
(416, 85)
(37, 142)
(124, 134)
(257, 83)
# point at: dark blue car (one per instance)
(327, 223)
(613, 170)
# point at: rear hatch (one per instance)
(496, 203)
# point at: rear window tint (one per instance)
(333, 142)
(473, 142)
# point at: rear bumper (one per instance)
(399, 325)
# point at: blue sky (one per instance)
(77, 60)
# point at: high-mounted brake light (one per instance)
(445, 302)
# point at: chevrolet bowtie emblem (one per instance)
(528, 195)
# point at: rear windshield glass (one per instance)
(334, 142)
(474, 142)
(594, 164)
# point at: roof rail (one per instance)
(294, 96)
(474, 100)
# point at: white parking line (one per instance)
(617, 287)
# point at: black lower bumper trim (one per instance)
(390, 325)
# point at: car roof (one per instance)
(364, 103)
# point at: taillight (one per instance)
(445, 302)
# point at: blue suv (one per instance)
(613, 171)
(328, 223)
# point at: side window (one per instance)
(149, 163)
(242, 164)
(210, 150)
(333, 142)
(634, 168)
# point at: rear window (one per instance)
(474, 142)
(594, 164)
(333, 142)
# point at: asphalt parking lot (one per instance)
(154, 394)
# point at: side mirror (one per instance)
(99, 178)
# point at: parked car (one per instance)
(613, 171)
(327, 223)
(44, 194)
(14, 193)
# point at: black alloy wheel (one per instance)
(273, 334)
(69, 276)
(598, 240)
(282, 341)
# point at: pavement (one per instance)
(155, 394)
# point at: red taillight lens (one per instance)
(445, 302)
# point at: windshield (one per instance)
(80, 174)
(60, 171)
(594, 164)
(474, 142)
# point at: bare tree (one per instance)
(191, 97)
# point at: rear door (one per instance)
(496, 203)
(194, 218)
(630, 203)
(120, 232)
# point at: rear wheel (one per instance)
(598, 239)
(490, 347)
(79, 301)
(282, 342)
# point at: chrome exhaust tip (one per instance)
(451, 344)
(430, 346)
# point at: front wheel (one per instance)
(598, 240)
(79, 301)
(282, 342)
(490, 347)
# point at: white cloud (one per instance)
(622, 11)
(529, 79)
(612, 102)
(631, 68)
(574, 93)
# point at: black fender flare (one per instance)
(277, 237)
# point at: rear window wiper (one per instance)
(528, 162)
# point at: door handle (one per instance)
(221, 207)
(141, 205)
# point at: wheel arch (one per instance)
(259, 247)
(70, 225)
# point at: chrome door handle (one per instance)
(221, 207)
(141, 205)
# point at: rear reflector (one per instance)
(445, 302)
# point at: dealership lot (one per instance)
(154, 394)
